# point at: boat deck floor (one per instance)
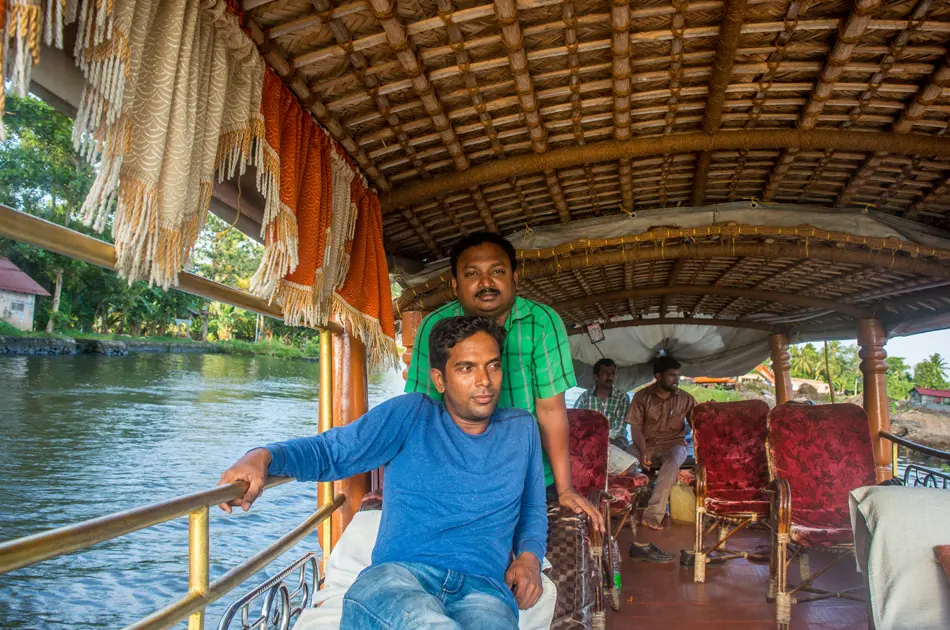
(733, 596)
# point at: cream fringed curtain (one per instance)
(20, 24)
(172, 97)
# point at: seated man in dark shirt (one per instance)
(464, 490)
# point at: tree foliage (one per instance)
(931, 373)
(808, 361)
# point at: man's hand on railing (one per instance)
(252, 469)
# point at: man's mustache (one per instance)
(487, 292)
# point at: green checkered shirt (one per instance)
(614, 408)
(536, 361)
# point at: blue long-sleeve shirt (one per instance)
(452, 500)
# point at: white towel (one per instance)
(353, 553)
(896, 529)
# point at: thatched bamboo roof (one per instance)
(470, 115)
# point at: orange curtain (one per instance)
(324, 254)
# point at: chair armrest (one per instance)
(601, 501)
(700, 485)
(780, 511)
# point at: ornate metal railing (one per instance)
(24, 552)
(279, 605)
(919, 477)
(916, 475)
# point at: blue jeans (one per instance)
(410, 595)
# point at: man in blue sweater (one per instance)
(464, 492)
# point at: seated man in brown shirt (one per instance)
(657, 418)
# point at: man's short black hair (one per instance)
(451, 330)
(480, 238)
(664, 363)
(602, 363)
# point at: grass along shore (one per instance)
(309, 351)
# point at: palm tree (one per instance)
(939, 364)
(930, 372)
(805, 361)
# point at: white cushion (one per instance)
(903, 525)
(353, 553)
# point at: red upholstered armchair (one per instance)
(817, 454)
(731, 473)
(616, 495)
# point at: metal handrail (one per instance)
(22, 552)
(30, 550)
(920, 448)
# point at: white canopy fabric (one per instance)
(703, 351)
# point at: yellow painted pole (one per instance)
(894, 459)
(198, 561)
(325, 489)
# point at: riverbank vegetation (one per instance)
(843, 362)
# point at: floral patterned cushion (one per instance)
(746, 501)
(824, 452)
(824, 536)
(630, 482)
(623, 488)
(686, 476)
(622, 498)
(729, 440)
(589, 438)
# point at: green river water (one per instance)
(84, 436)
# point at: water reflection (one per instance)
(85, 436)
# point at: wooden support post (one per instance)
(350, 401)
(325, 489)
(410, 324)
(781, 367)
(871, 339)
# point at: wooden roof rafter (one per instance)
(622, 87)
(848, 37)
(733, 12)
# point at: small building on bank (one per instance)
(925, 397)
(18, 293)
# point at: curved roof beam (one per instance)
(679, 321)
(796, 299)
(882, 259)
(613, 150)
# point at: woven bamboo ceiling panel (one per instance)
(449, 106)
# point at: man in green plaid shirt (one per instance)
(536, 360)
(613, 403)
(607, 399)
